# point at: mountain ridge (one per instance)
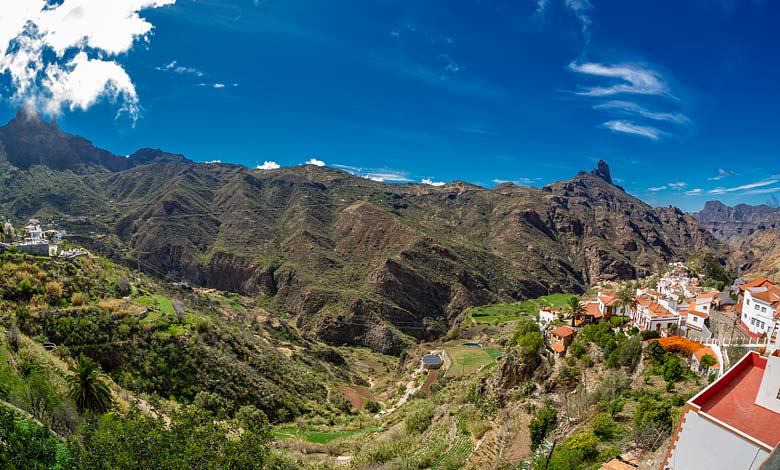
(353, 260)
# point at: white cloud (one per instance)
(764, 191)
(656, 189)
(430, 182)
(626, 107)
(61, 55)
(627, 127)
(387, 176)
(723, 174)
(680, 185)
(315, 162)
(581, 9)
(519, 182)
(632, 79)
(693, 192)
(218, 85)
(744, 187)
(267, 165)
(175, 67)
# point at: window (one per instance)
(757, 307)
(747, 301)
(778, 394)
(763, 309)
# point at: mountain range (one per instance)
(353, 260)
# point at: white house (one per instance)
(608, 301)
(33, 232)
(732, 424)
(654, 315)
(760, 307)
(547, 315)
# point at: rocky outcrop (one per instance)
(738, 222)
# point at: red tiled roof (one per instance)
(558, 347)
(592, 309)
(760, 282)
(731, 400)
(616, 464)
(563, 331)
(692, 311)
(706, 350)
(608, 297)
(706, 295)
(771, 296)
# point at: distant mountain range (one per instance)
(752, 231)
(353, 260)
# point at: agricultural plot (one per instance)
(497, 314)
(460, 449)
(317, 437)
(553, 301)
(468, 359)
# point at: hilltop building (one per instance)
(34, 241)
(759, 307)
(734, 423)
(560, 338)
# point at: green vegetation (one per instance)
(575, 308)
(88, 387)
(554, 301)
(469, 359)
(317, 437)
(542, 425)
(497, 314)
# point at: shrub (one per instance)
(673, 369)
(372, 406)
(655, 352)
(340, 402)
(78, 299)
(650, 334)
(626, 354)
(604, 426)
(123, 287)
(542, 425)
(577, 349)
(53, 292)
(25, 289)
(419, 417)
(585, 442)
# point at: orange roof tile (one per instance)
(558, 347)
(616, 464)
(692, 311)
(592, 309)
(706, 295)
(760, 282)
(563, 331)
(608, 297)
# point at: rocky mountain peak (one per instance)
(602, 171)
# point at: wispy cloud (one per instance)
(627, 127)
(519, 181)
(693, 192)
(744, 187)
(268, 165)
(764, 191)
(629, 108)
(657, 188)
(679, 185)
(315, 162)
(175, 67)
(723, 174)
(383, 175)
(580, 8)
(631, 79)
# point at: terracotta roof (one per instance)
(760, 282)
(563, 331)
(558, 347)
(592, 309)
(771, 296)
(692, 311)
(656, 309)
(706, 295)
(706, 350)
(608, 297)
(616, 464)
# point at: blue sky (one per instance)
(680, 97)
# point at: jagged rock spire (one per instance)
(602, 171)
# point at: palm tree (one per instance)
(625, 299)
(88, 387)
(575, 308)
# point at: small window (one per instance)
(757, 307)
(747, 301)
(763, 309)
(778, 394)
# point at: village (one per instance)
(34, 240)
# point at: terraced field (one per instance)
(459, 450)
(469, 359)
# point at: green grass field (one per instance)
(317, 437)
(554, 301)
(496, 314)
(164, 304)
(469, 359)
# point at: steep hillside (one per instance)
(353, 260)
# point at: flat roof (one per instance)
(431, 359)
(731, 400)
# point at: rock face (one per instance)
(602, 171)
(738, 222)
(352, 260)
